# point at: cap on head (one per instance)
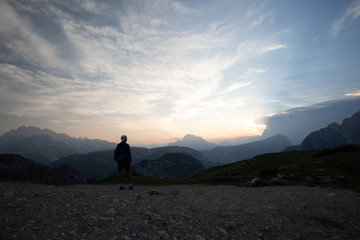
(123, 138)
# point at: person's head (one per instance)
(123, 138)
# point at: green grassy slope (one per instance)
(338, 167)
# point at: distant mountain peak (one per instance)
(194, 142)
(191, 137)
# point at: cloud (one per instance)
(260, 127)
(250, 73)
(297, 123)
(258, 14)
(236, 86)
(252, 49)
(353, 94)
(140, 63)
(273, 47)
(135, 63)
(256, 71)
(268, 17)
(351, 13)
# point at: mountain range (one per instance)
(53, 149)
(100, 165)
(333, 135)
(224, 155)
(45, 146)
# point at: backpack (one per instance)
(120, 153)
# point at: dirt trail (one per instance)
(31, 211)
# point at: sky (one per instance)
(158, 70)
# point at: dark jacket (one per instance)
(126, 151)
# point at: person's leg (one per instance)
(129, 177)
(120, 177)
(120, 169)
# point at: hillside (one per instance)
(336, 167)
(17, 168)
(170, 165)
(95, 165)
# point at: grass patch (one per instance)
(344, 148)
(340, 169)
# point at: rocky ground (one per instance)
(32, 211)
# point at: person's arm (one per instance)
(129, 153)
(116, 153)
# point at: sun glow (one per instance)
(259, 128)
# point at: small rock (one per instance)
(126, 237)
(155, 192)
(222, 230)
(105, 219)
(111, 212)
(151, 216)
(9, 194)
(231, 226)
(255, 182)
(199, 237)
(186, 216)
(163, 234)
(175, 192)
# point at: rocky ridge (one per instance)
(17, 168)
(333, 135)
(31, 211)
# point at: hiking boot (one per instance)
(122, 187)
(131, 187)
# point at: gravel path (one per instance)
(31, 211)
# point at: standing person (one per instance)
(123, 157)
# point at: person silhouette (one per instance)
(123, 158)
